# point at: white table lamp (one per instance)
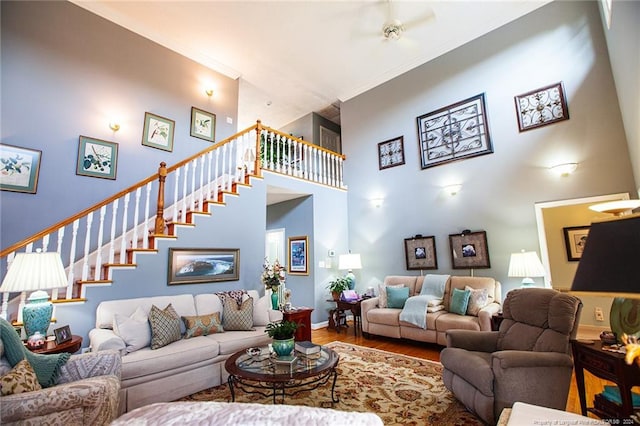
(526, 265)
(350, 262)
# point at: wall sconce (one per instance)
(377, 202)
(564, 169)
(209, 92)
(114, 126)
(452, 189)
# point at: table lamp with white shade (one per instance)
(350, 262)
(37, 272)
(526, 265)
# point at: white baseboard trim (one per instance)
(590, 331)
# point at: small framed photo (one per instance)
(19, 169)
(97, 158)
(203, 124)
(420, 252)
(391, 153)
(298, 255)
(158, 132)
(541, 107)
(63, 334)
(203, 265)
(575, 237)
(469, 250)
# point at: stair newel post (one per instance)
(162, 176)
(258, 166)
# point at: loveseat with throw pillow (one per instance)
(438, 303)
(173, 346)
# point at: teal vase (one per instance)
(274, 300)
(283, 347)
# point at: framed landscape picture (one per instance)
(97, 158)
(158, 132)
(298, 255)
(469, 250)
(420, 252)
(203, 124)
(203, 265)
(19, 169)
(575, 237)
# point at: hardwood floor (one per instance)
(431, 352)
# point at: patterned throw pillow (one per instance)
(202, 325)
(165, 326)
(20, 379)
(459, 301)
(236, 317)
(478, 299)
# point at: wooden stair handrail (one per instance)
(258, 127)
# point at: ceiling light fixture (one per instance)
(616, 208)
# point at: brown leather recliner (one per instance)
(527, 360)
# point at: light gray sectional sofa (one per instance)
(185, 366)
(385, 321)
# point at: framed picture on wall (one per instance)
(158, 132)
(391, 153)
(420, 252)
(203, 124)
(298, 255)
(575, 237)
(97, 158)
(542, 106)
(469, 250)
(203, 265)
(19, 169)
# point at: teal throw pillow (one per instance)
(459, 301)
(397, 296)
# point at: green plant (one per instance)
(281, 330)
(338, 285)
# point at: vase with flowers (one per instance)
(273, 276)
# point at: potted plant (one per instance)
(282, 334)
(337, 286)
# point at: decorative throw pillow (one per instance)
(396, 297)
(382, 296)
(478, 299)
(261, 308)
(435, 308)
(134, 330)
(165, 326)
(236, 317)
(202, 325)
(459, 301)
(435, 302)
(20, 379)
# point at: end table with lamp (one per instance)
(608, 267)
(35, 271)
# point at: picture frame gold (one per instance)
(298, 255)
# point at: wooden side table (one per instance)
(355, 308)
(50, 346)
(302, 316)
(609, 366)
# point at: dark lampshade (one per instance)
(609, 267)
(610, 262)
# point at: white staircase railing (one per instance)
(104, 236)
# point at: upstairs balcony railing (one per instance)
(102, 237)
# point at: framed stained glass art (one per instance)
(391, 153)
(541, 107)
(455, 132)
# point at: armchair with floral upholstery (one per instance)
(86, 391)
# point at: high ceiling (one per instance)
(294, 57)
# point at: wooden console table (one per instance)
(609, 366)
(302, 316)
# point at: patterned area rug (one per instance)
(402, 390)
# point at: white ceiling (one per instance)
(294, 57)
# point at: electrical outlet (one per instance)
(599, 315)
(86, 350)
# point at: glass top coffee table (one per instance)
(268, 375)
